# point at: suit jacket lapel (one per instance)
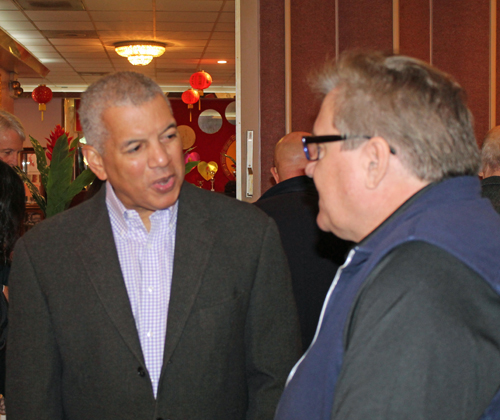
(193, 243)
(100, 259)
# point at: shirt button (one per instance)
(150, 289)
(140, 371)
(149, 334)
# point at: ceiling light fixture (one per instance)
(222, 61)
(140, 53)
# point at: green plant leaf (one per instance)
(74, 145)
(41, 161)
(59, 179)
(84, 179)
(190, 166)
(40, 200)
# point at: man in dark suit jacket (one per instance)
(490, 167)
(313, 255)
(78, 345)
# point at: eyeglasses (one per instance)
(312, 149)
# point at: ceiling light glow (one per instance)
(222, 61)
(140, 53)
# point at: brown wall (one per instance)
(453, 36)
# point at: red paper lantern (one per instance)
(42, 94)
(190, 97)
(200, 80)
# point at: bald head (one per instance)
(490, 154)
(289, 158)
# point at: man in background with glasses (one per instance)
(410, 328)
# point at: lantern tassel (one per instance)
(41, 108)
(199, 104)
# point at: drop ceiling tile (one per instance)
(183, 26)
(66, 26)
(7, 5)
(17, 25)
(28, 43)
(223, 35)
(86, 55)
(122, 16)
(171, 35)
(92, 5)
(75, 42)
(222, 43)
(188, 6)
(58, 16)
(230, 6)
(225, 27)
(23, 35)
(180, 54)
(42, 48)
(116, 36)
(11, 15)
(124, 26)
(95, 62)
(186, 16)
(227, 17)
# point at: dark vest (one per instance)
(450, 215)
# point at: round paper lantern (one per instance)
(190, 97)
(200, 80)
(42, 94)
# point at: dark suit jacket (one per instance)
(491, 189)
(232, 333)
(314, 256)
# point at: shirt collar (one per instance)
(121, 214)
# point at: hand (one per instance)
(2, 404)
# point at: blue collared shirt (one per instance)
(147, 261)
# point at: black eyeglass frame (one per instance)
(334, 137)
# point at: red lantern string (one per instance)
(42, 95)
(190, 97)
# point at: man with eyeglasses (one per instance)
(410, 328)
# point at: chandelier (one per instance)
(140, 53)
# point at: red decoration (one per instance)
(190, 97)
(199, 81)
(42, 94)
(54, 136)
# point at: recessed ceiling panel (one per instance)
(51, 5)
(57, 16)
(66, 26)
(186, 16)
(11, 15)
(7, 5)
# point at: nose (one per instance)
(310, 169)
(158, 155)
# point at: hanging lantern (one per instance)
(42, 94)
(190, 97)
(199, 81)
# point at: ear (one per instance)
(95, 161)
(376, 155)
(275, 174)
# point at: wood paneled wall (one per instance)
(452, 35)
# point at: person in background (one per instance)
(12, 136)
(411, 325)
(490, 167)
(12, 207)
(154, 299)
(313, 255)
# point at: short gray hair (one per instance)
(420, 111)
(490, 152)
(125, 88)
(11, 122)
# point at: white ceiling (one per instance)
(74, 39)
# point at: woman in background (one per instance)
(12, 206)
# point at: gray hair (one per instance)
(420, 111)
(125, 88)
(11, 122)
(490, 152)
